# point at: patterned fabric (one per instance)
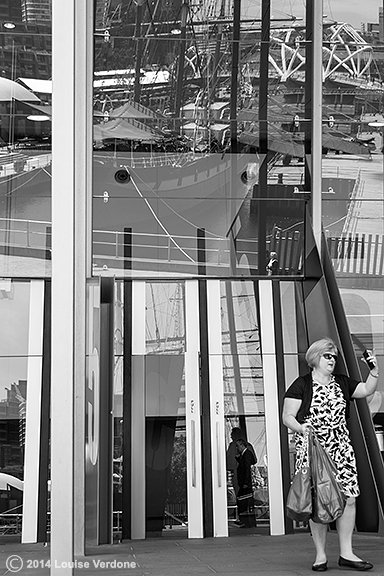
(327, 417)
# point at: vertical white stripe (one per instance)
(317, 119)
(63, 303)
(138, 317)
(193, 425)
(71, 181)
(219, 478)
(138, 412)
(83, 184)
(193, 411)
(33, 413)
(192, 325)
(138, 448)
(272, 418)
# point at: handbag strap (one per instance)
(307, 437)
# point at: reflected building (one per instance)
(12, 429)
(36, 11)
(27, 53)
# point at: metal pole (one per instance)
(317, 131)
(263, 135)
(313, 112)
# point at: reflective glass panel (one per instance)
(288, 316)
(21, 336)
(175, 147)
(25, 139)
(14, 314)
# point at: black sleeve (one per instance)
(349, 384)
(296, 389)
(352, 384)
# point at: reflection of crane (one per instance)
(165, 318)
(22, 412)
(177, 311)
(157, 331)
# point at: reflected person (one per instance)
(273, 264)
(236, 434)
(245, 504)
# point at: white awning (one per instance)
(10, 90)
(36, 85)
(123, 130)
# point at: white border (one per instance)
(33, 413)
(193, 412)
(219, 474)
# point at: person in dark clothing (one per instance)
(236, 434)
(245, 460)
(273, 265)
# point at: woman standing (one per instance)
(320, 400)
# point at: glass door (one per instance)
(176, 423)
(165, 445)
(165, 472)
(244, 409)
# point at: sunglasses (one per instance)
(330, 356)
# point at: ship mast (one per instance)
(219, 35)
(235, 72)
(139, 48)
(263, 132)
(181, 60)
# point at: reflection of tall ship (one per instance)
(199, 185)
(176, 171)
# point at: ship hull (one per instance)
(206, 192)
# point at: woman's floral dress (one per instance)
(327, 418)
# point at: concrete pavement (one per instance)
(243, 554)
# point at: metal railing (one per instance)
(351, 253)
(33, 238)
(108, 248)
(11, 521)
(16, 163)
(184, 251)
(357, 254)
(28, 234)
(154, 160)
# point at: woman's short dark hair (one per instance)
(318, 348)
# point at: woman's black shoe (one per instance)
(320, 567)
(355, 564)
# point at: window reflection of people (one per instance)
(273, 264)
(236, 434)
(320, 400)
(245, 460)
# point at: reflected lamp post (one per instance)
(9, 26)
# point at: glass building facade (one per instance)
(158, 212)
